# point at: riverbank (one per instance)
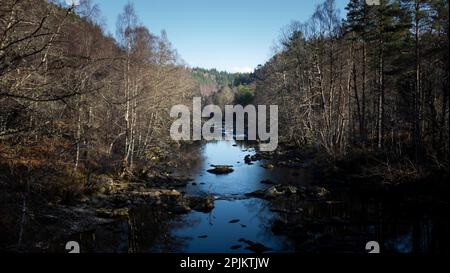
(41, 225)
(354, 200)
(335, 208)
(43, 203)
(358, 170)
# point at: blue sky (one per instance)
(231, 35)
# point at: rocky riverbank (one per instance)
(340, 211)
(113, 200)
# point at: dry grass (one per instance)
(42, 169)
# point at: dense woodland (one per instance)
(376, 82)
(216, 86)
(76, 100)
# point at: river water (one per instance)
(250, 217)
(343, 223)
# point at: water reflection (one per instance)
(245, 178)
(214, 232)
(343, 223)
(348, 222)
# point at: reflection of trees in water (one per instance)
(148, 226)
(353, 220)
(181, 243)
(148, 229)
(350, 224)
(153, 230)
(260, 209)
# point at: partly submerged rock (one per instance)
(221, 169)
(274, 192)
(168, 181)
(248, 159)
(264, 194)
(255, 247)
(315, 192)
(201, 204)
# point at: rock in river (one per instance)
(201, 204)
(313, 193)
(275, 191)
(221, 169)
(255, 247)
(248, 159)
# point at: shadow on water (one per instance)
(346, 222)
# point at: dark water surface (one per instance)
(213, 232)
(344, 224)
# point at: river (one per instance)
(235, 217)
(343, 223)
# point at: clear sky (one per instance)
(231, 35)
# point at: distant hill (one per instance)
(210, 81)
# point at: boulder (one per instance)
(274, 192)
(221, 169)
(248, 159)
(270, 193)
(314, 192)
(201, 204)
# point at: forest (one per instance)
(80, 106)
(85, 126)
(375, 83)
